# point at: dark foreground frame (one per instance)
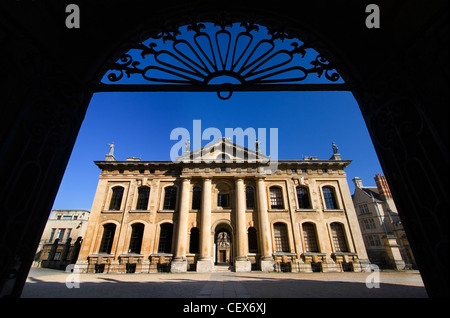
(399, 75)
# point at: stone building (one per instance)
(383, 233)
(61, 239)
(223, 211)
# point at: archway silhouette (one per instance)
(51, 69)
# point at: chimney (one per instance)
(383, 187)
(358, 182)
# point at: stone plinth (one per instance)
(267, 265)
(178, 266)
(205, 266)
(242, 266)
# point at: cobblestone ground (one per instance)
(46, 283)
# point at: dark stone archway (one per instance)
(400, 72)
(223, 245)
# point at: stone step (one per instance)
(222, 268)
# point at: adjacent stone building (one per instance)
(385, 239)
(61, 240)
(222, 206)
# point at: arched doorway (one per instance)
(223, 245)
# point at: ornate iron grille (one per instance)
(221, 57)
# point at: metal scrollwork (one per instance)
(210, 56)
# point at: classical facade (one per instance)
(61, 239)
(383, 232)
(225, 209)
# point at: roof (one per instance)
(373, 192)
(223, 151)
(223, 147)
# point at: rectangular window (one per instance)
(276, 198)
(196, 198)
(364, 209)
(373, 240)
(137, 232)
(52, 233)
(309, 235)
(281, 238)
(143, 195)
(107, 239)
(303, 198)
(223, 200)
(170, 198)
(249, 198)
(165, 238)
(369, 224)
(116, 198)
(69, 231)
(338, 235)
(60, 234)
(329, 197)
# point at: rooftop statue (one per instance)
(335, 148)
(111, 149)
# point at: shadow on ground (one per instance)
(190, 288)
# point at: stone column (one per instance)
(242, 263)
(393, 252)
(179, 263)
(205, 262)
(267, 262)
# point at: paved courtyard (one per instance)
(47, 283)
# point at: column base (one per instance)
(398, 264)
(242, 266)
(267, 264)
(178, 266)
(81, 267)
(145, 268)
(205, 265)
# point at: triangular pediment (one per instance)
(223, 150)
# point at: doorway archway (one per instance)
(223, 245)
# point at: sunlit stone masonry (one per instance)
(222, 207)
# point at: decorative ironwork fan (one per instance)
(222, 58)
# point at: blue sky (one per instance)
(140, 125)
